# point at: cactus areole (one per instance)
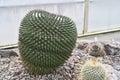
(46, 40)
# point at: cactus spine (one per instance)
(46, 40)
(93, 70)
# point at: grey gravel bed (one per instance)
(13, 69)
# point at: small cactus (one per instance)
(96, 49)
(46, 40)
(93, 70)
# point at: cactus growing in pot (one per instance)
(46, 40)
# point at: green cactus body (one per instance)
(93, 70)
(46, 40)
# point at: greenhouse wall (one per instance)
(103, 15)
(12, 14)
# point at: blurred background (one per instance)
(92, 17)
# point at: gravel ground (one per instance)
(13, 69)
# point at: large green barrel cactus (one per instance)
(93, 70)
(46, 40)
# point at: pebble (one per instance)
(117, 67)
(110, 72)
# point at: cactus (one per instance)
(93, 70)
(96, 49)
(46, 40)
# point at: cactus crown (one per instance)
(95, 48)
(93, 70)
(46, 40)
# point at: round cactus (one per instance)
(46, 40)
(96, 49)
(93, 70)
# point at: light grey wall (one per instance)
(104, 14)
(12, 14)
(8, 3)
